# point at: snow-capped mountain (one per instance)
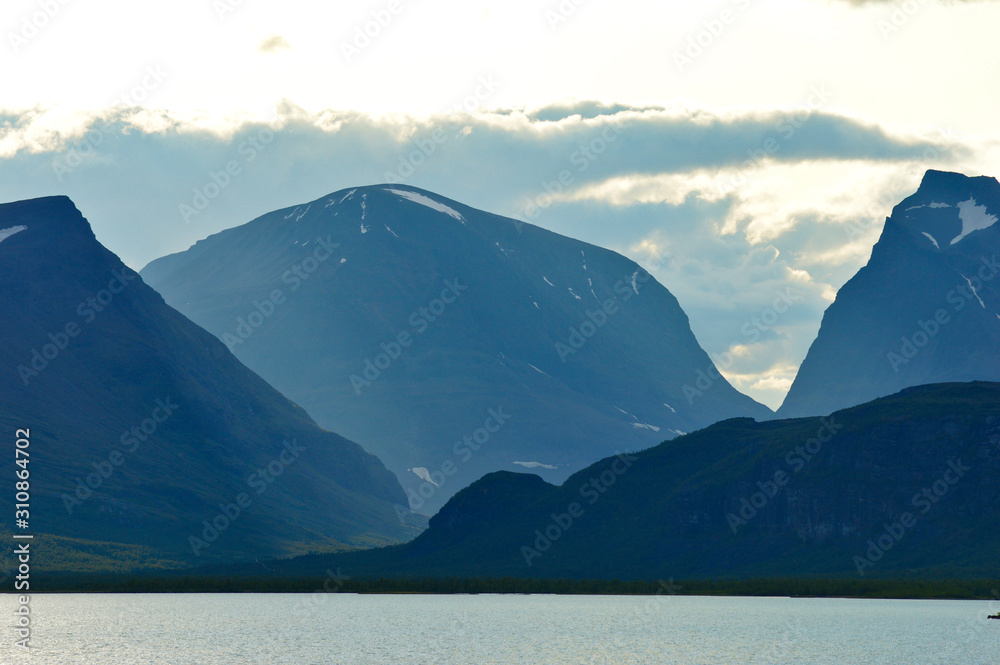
(449, 341)
(925, 309)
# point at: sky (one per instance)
(743, 151)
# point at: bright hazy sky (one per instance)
(846, 103)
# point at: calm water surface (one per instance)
(212, 629)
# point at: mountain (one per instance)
(148, 443)
(926, 308)
(449, 341)
(904, 486)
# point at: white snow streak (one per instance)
(535, 465)
(537, 370)
(974, 291)
(428, 202)
(6, 233)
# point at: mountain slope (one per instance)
(907, 485)
(925, 309)
(143, 426)
(448, 341)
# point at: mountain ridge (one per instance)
(925, 308)
(139, 418)
(544, 327)
(904, 486)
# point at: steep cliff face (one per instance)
(146, 432)
(925, 309)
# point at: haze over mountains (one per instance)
(926, 308)
(907, 485)
(462, 349)
(147, 433)
(449, 341)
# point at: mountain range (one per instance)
(149, 443)
(448, 341)
(904, 486)
(463, 349)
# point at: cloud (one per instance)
(585, 109)
(725, 209)
(273, 44)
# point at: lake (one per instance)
(302, 629)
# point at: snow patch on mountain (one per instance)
(547, 280)
(424, 474)
(974, 218)
(653, 428)
(428, 202)
(932, 204)
(931, 238)
(625, 412)
(6, 233)
(535, 465)
(538, 370)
